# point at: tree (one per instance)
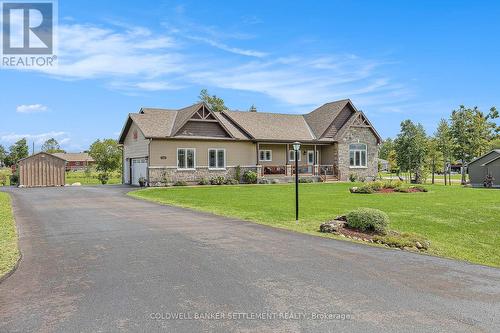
(434, 158)
(494, 144)
(3, 155)
(51, 146)
(385, 148)
(18, 151)
(393, 163)
(444, 144)
(107, 156)
(215, 103)
(471, 130)
(411, 148)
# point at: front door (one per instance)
(310, 161)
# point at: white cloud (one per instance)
(38, 139)
(134, 59)
(31, 108)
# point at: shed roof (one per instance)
(41, 153)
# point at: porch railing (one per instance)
(327, 171)
(304, 169)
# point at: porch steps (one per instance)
(329, 179)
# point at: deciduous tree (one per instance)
(411, 148)
(107, 156)
(215, 103)
(51, 146)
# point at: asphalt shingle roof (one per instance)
(244, 125)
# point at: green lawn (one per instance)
(84, 179)
(9, 253)
(461, 223)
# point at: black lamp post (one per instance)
(296, 148)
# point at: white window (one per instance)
(216, 158)
(291, 155)
(265, 155)
(186, 158)
(357, 155)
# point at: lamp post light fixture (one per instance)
(296, 148)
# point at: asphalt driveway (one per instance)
(95, 260)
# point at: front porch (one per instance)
(277, 160)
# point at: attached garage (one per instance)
(138, 169)
(42, 169)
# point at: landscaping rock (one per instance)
(418, 245)
(332, 226)
(76, 184)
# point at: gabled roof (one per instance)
(320, 119)
(164, 123)
(492, 160)
(41, 153)
(351, 123)
(493, 152)
(243, 125)
(74, 157)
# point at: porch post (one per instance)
(288, 171)
(258, 167)
(315, 167)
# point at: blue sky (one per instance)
(394, 59)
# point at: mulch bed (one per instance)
(391, 190)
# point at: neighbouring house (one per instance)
(192, 143)
(41, 169)
(488, 164)
(76, 161)
(384, 164)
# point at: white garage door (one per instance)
(139, 169)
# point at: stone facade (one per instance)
(358, 135)
(165, 176)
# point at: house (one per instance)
(488, 164)
(76, 161)
(188, 144)
(41, 169)
(384, 165)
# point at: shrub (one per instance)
(420, 188)
(368, 219)
(305, 180)
(217, 180)
(393, 184)
(365, 189)
(401, 240)
(180, 183)
(103, 178)
(14, 179)
(3, 179)
(231, 181)
(237, 173)
(250, 177)
(402, 188)
(376, 186)
(353, 177)
(203, 181)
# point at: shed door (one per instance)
(139, 169)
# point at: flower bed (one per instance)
(344, 226)
(387, 187)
